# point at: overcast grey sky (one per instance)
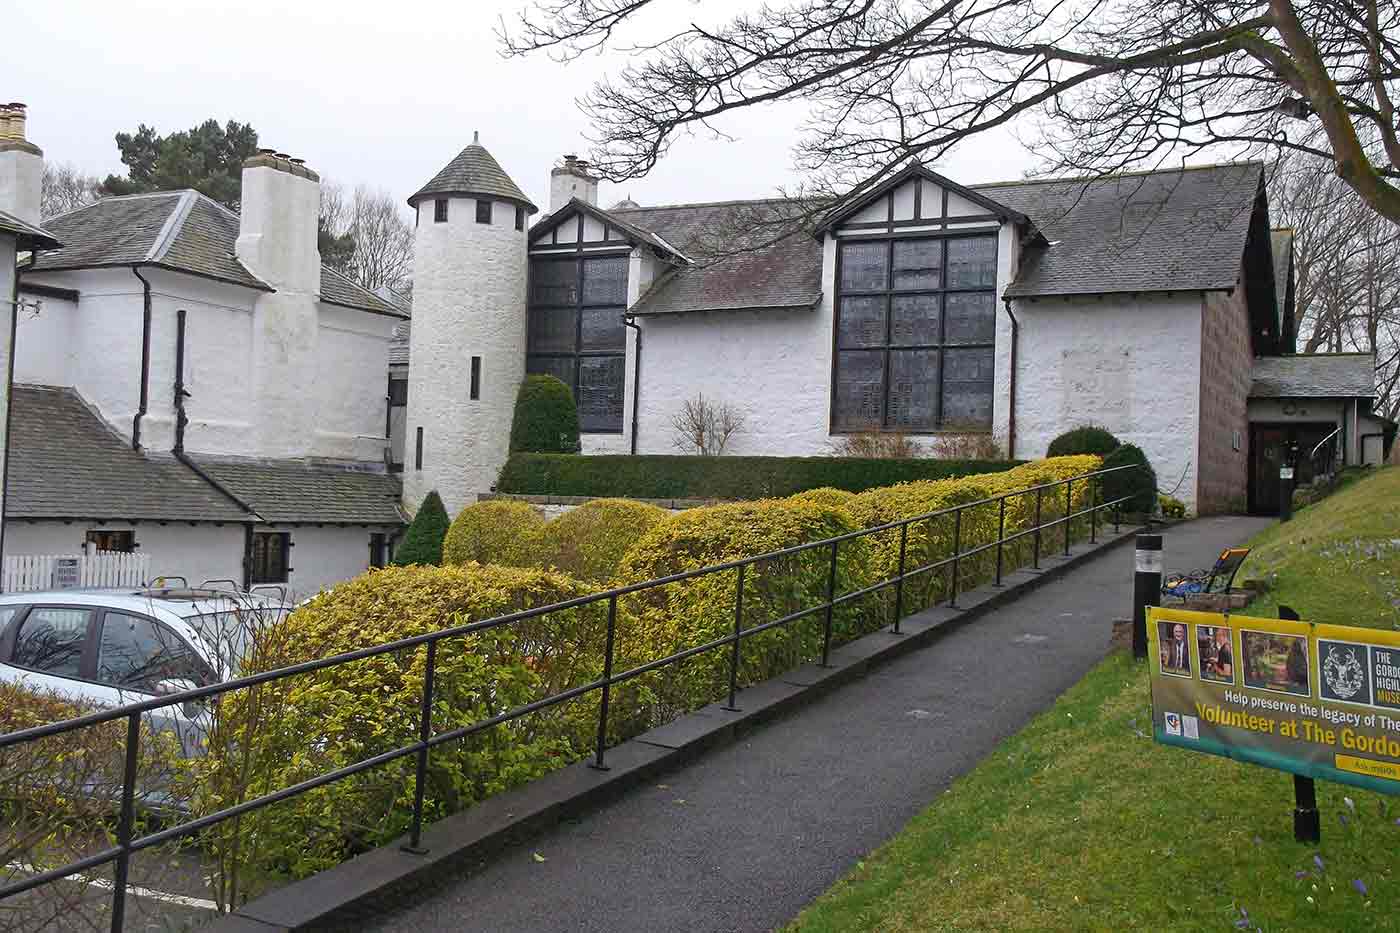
(383, 93)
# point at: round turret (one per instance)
(467, 348)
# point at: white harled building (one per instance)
(193, 384)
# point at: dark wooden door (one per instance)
(1268, 446)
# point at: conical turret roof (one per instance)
(474, 173)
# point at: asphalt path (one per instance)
(744, 837)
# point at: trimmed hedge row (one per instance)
(365, 708)
(742, 478)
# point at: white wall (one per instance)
(1128, 364)
(468, 300)
(329, 405)
(320, 555)
(196, 552)
(323, 555)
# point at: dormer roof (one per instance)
(475, 173)
(852, 203)
(636, 235)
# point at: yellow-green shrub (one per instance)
(928, 541)
(681, 615)
(311, 724)
(497, 531)
(590, 541)
(1020, 510)
(825, 495)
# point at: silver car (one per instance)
(111, 647)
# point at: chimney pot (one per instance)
(297, 161)
(4, 122)
(476, 138)
(16, 121)
(267, 152)
(283, 155)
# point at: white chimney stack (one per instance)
(571, 180)
(280, 204)
(21, 166)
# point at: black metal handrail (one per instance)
(127, 843)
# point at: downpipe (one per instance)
(144, 403)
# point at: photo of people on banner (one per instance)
(1313, 699)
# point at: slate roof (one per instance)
(66, 462)
(30, 235)
(475, 171)
(1175, 230)
(179, 230)
(783, 274)
(293, 491)
(1320, 375)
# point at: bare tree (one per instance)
(704, 427)
(1346, 272)
(1108, 83)
(379, 251)
(64, 187)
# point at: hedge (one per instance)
(497, 531)
(681, 615)
(1086, 439)
(357, 710)
(590, 541)
(739, 478)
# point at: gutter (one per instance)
(143, 404)
(1011, 415)
(631, 321)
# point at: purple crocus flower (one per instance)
(1317, 860)
(1300, 875)
(1360, 886)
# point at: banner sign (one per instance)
(1321, 701)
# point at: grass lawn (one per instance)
(1338, 560)
(1082, 822)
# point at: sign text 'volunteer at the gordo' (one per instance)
(1321, 701)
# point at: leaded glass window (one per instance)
(576, 333)
(915, 334)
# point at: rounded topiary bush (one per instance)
(681, 615)
(1087, 439)
(292, 730)
(546, 418)
(497, 531)
(422, 542)
(825, 495)
(590, 541)
(1139, 486)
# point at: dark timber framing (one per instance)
(578, 253)
(887, 348)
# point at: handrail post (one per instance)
(1069, 510)
(830, 598)
(957, 548)
(899, 580)
(425, 732)
(738, 629)
(1039, 494)
(125, 821)
(597, 764)
(1093, 511)
(1001, 537)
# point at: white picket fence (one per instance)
(25, 572)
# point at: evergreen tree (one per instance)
(208, 158)
(422, 543)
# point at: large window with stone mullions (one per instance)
(915, 334)
(577, 334)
